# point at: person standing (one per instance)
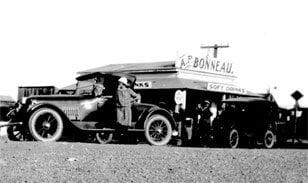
(125, 96)
(204, 118)
(98, 88)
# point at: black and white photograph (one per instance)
(153, 91)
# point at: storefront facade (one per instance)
(192, 77)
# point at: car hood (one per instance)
(58, 97)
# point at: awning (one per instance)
(169, 83)
(181, 83)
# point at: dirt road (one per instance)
(84, 162)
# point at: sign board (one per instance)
(143, 84)
(225, 88)
(297, 95)
(205, 65)
(180, 97)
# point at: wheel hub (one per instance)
(159, 130)
(46, 125)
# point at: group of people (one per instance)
(125, 96)
(202, 122)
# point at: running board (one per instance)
(95, 126)
(11, 124)
(115, 130)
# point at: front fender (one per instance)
(35, 107)
(17, 113)
(152, 111)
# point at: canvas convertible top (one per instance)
(85, 77)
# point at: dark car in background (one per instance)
(51, 117)
(247, 120)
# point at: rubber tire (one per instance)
(273, 137)
(233, 131)
(32, 122)
(149, 122)
(11, 130)
(104, 141)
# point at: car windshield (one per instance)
(88, 84)
(97, 86)
(84, 88)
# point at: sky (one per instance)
(48, 42)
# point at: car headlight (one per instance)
(175, 133)
(23, 100)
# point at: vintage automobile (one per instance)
(247, 120)
(90, 112)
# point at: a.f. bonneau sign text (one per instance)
(205, 65)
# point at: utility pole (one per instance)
(215, 47)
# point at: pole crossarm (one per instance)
(215, 47)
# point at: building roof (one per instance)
(168, 66)
(6, 101)
(6, 98)
(93, 75)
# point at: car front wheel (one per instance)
(158, 130)
(269, 139)
(46, 125)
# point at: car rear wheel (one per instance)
(104, 138)
(46, 125)
(233, 138)
(269, 139)
(158, 130)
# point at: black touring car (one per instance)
(248, 120)
(91, 112)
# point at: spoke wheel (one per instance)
(46, 125)
(104, 138)
(269, 139)
(16, 133)
(233, 138)
(158, 130)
